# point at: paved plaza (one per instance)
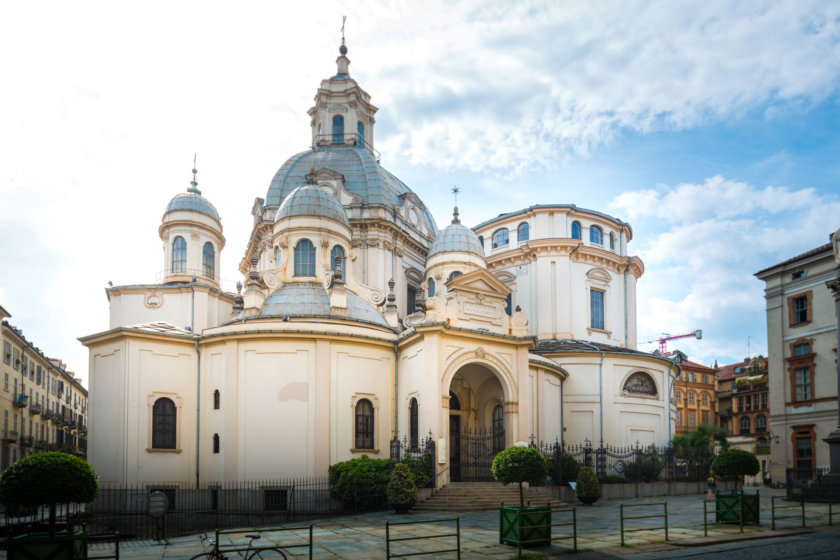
(360, 537)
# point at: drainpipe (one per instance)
(562, 425)
(626, 334)
(600, 385)
(396, 392)
(668, 400)
(192, 304)
(197, 412)
(575, 250)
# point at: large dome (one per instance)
(456, 238)
(310, 299)
(312, 200)
(363, 176)
(192, 200)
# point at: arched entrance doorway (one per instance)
(478, 428)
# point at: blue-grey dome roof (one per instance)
(192, 200)
(310, 299)
(312, 200)
(456, 238)
(363, 176)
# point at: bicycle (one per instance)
(250, 553)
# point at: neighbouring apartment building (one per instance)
(43, 406)
(694, 392)
(801, 341)
(743, 401)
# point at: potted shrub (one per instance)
(736, 507)
(525, 526)
(588, 489)
(47, 479)
(402, 492)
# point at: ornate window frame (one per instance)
(178, 401)
(626, 379)
(809, 310)
(353, 402)
(801, 361)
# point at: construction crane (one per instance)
(698, 334)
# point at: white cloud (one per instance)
(703, 244)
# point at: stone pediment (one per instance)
(479, 283)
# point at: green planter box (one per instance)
(728, 508)
(43, 546)
(530, 524)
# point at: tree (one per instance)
(588, 488)
(48, 478)
(734, 463)
(519, 464)
(696, 447)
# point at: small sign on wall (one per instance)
(522, 270)
(442, 451)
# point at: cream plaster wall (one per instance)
(203, 308)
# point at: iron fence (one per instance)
(419, 454)
(125, 509)
(632, 463)
(812, 484)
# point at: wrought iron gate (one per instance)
(472, 454)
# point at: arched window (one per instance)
(745, 424)
(338, 130)
(304, 258)
(704, 398)
(575, 230)
(208, 260)
(612, 242)
(760, 423)
(522, 232)
(500, 238)
(481, 240)
(337, 251)
(413, 425)
(364, 424)
(430, 286)
(640, 383)
(179, 255)
(454, 403)
(277, 256)
(164, 418)
(455, 274)
(215, 443)
(498, 428)
(360, 132)
(217, 400)
(596, 235)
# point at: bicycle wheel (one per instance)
(268, 554)
(203, 556)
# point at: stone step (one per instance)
(473, 496)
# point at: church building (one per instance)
(359, 321)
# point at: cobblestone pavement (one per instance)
(360, 537)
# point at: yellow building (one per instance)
(43, 406)
(694, 392)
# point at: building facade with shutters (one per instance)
(43, 407)
(359, 321)
(694, 394)
(802, 367)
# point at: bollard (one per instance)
(802, 505)
(387, 539)
(705, 520)
(666, 521)
(574, 525)
(773, 513)
(621, 510)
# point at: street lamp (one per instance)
(833, 439)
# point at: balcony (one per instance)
(762, 449)
(27, 441)
(20, 401)
(35, 408)
(10, 436)
(60, 420)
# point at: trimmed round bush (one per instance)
(735, 462)
(360, 483)
(519, 464)
(47, 479)
(588, 488)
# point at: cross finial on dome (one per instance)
(343, 62)
(194, 183)
(455, 220)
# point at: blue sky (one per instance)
(710, 126)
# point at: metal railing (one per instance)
(800, 506)
(425, 536)
(649, 516)
(350, 139)
(572, 524)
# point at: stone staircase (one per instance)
(475, 496)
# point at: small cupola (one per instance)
(343, 115)
(191, 231)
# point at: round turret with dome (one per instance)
(456, 250)
(191, 231)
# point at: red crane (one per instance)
(698, 334)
